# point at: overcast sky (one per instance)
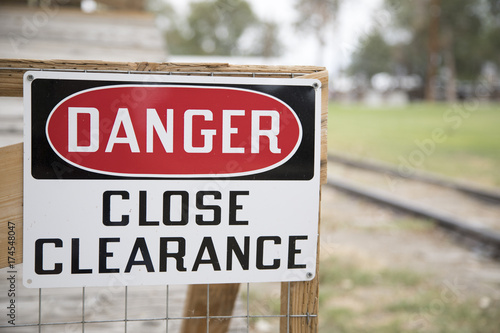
(355, 19)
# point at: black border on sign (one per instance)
(47, 93)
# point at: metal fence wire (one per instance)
(136, 309)
(258, 307)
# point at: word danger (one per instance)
(179, 131)
(155, 127)
(267, 252)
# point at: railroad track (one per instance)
(469, 211)
(467, 188)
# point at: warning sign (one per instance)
(134, 179)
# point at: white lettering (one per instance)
(188, 132)
(227, 130)
(73, 113)
(272, 133)
(166, 136)
(263, 123)
(123, 117)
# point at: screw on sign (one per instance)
(201, 180)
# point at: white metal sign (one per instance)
(152, 179)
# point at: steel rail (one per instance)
(444, 220)
(485, 194)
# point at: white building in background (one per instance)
(55, 32)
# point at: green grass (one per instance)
(335, 272)
(430, 312)
(396, 301)
(461, 140)
(414, 225)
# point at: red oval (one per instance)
(134, 147)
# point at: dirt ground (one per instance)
(450, 275)
(380, 237)
(385, 236)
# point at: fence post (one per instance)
(11, 201)
(221, 299)
(302, 298)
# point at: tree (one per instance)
(266, 43)
(217, 26)
(433, 50)
(372, 57)
(447, 40)
(223, 27)
(315, 17)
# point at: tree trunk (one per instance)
(433, 50)
(450, 65)
(451, 80)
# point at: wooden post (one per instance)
(12, 70)
(11, 201)
(300, 300)
(222, 299)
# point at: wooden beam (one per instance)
(222, 300)
(302, 298)
(11, 203)
(12, 70)
(322, 76)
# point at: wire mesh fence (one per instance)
(135, 309)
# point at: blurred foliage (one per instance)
(372, 57)
(467, 37)
(315, 15)
(221, 27)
